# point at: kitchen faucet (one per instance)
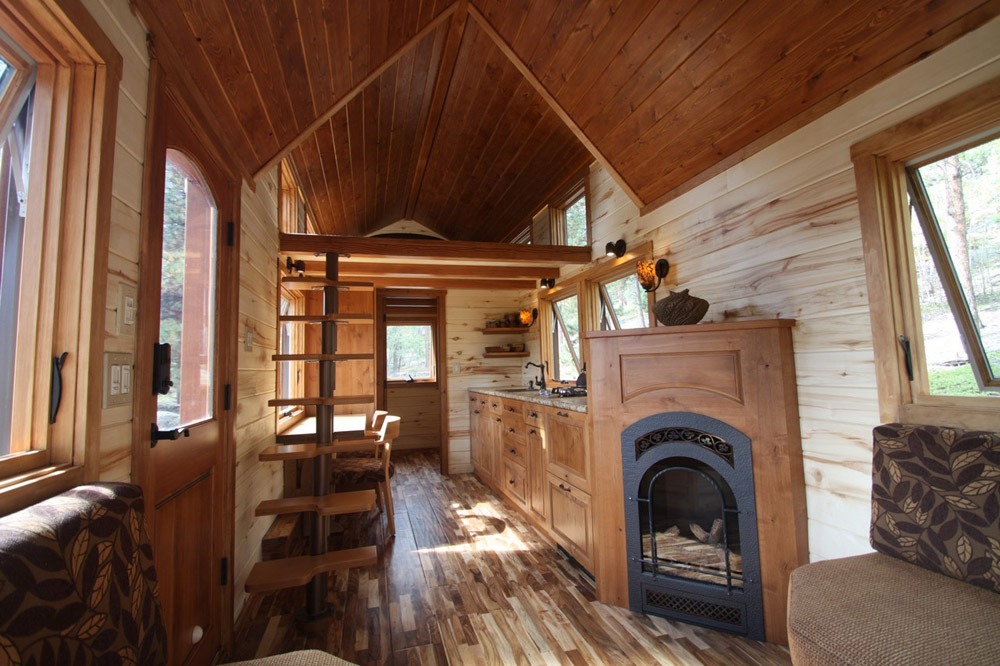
(539, 382)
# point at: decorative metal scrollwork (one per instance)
(716, 445)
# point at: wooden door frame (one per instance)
(440, 341)
(147, 327)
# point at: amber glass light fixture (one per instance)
(528, 317)
(651, 273)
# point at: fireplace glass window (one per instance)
(689, 523)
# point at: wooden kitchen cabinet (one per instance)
(484, 437)
(537, 476)
(569, 453)
(571, 520)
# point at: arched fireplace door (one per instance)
(690, 522)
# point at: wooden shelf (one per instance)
(334, 504)
(311, 358)
(336, 317)
(498, 330)
(282, 574)
(308, 282)
(505, 354)
(331, 401)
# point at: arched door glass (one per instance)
(187, 293)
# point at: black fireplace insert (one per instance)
(690, 520)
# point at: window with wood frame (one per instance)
(605, 296)
(58, 95)
(294, 217)
(928, 192)
(410, 343)
(291, 340)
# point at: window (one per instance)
(575, 221)
(928, 193)
(291, 340)
(14, 180)
(56, 148)
(409, 353)
(624, 303)
(566, 337)
(955, 232)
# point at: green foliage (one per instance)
(409, 352)
(576, 223)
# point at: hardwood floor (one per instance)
(468, 581)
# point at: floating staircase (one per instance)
(317, 445)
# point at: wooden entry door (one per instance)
(183, 424)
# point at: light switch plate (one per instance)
(127, 308)
(118, 374)
(247, 339)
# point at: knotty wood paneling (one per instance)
(128, 36)
(419, 407)
(467, 312)
(778, 235)
(256, 378)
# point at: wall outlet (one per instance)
(117, 379)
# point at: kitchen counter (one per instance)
(574, 404)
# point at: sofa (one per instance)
(78, 584)
(930, 594)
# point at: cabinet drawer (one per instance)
(512, 408)
(514, 484)
(515, 450)
(569, 454)
(533, 414)
(513, 428)
(494, 404)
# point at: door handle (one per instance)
(156, 435)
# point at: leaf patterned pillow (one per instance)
(936, 502)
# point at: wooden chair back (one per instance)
(389, 432)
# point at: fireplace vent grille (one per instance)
(695, 608)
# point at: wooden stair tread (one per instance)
(302, 449)
(309, 282)
(339, 317)
(323, 357)
(315, 401)
(275, 575)
(334, 504)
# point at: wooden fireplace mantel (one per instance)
(742, 373)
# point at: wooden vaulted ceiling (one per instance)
(467, 115)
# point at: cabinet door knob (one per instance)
(565, 488)
(562, 413)
(534, 415)
(475, 411)
(514, 451)
(532, 432)
(510, 481)
(510, 430)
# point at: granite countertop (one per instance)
(575, 404)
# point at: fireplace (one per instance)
(690, 530)
(699, 510)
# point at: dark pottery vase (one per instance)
(680, 308)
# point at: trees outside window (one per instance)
(409, 353)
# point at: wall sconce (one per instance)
(295, 267)
(528, 317)
(615, 249)
(651, 275)
(548, 282)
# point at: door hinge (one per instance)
(224, 572)
(227, 397)
(230, 233)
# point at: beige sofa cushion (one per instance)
(299, 658)
(880, 611)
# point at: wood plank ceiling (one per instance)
(466, 115)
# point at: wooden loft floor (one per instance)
(467, 581)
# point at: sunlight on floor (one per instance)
(488, 532)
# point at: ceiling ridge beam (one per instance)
(353, 92)
(557, 108)
(432, 249)
(442, 84)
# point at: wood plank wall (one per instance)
(419, 408)
(467, 313)
(256, 377)
(129, 37)
(778, 235)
